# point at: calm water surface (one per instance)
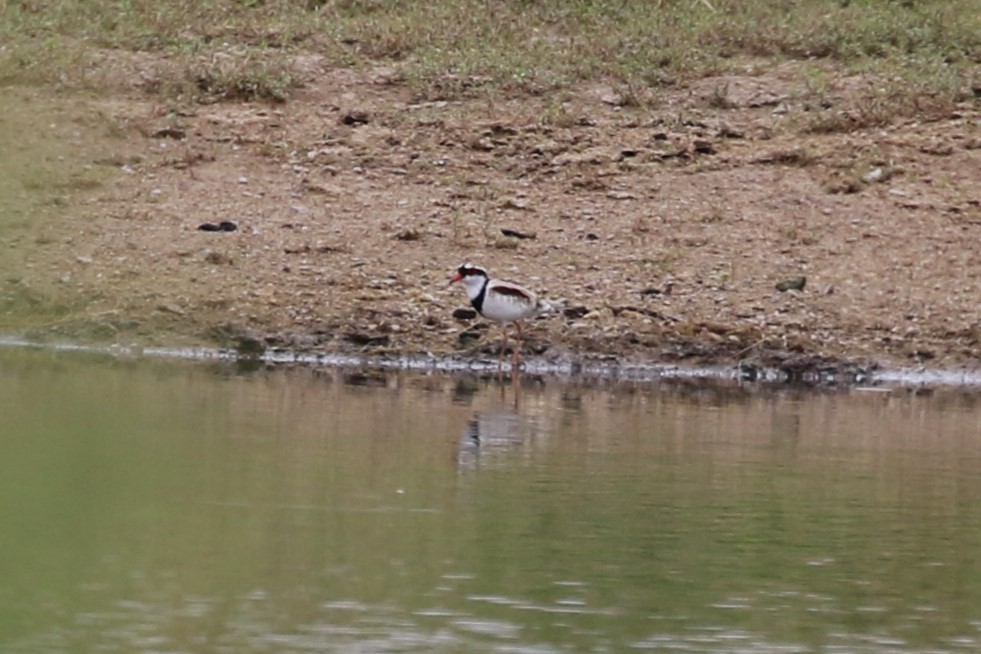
(171, 507)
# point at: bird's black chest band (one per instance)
(478, 302)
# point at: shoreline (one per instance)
(585, 369)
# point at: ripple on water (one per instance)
(485, 627)
(568, 606)
(345, 605)
(719, 642)
(494, 599)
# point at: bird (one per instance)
(501, 302)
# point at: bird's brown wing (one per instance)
(513, 290)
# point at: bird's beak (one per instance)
(456, 277)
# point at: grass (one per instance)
(912, 52)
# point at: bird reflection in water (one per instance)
(492, 436)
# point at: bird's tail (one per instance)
(543, 308)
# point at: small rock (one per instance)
(703, 147)
(599, 314)
(729, 132)
(355, 117)
(170, 308)
(84, 260)
(481, 144)
(613, 99)
(367, 339)
(574, 313)
(679, 152)
(470, 336)
(170, 133)
(513, 233)
(464, 314)
(653, 290)
(217, 258)
(792, 284)
(874, 175)
(408, 235)
(520, 205)
(223, 226)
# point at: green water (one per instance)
(175, 507)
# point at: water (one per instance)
(188, 507)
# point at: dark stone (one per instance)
(354, 118)
(409, 235)
(513, 233)
(574, 313)
(170, 133)
(367, 339)
(464, 314)
(792, 284)
(223, 226)
(703, 147)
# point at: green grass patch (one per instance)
(467, 48)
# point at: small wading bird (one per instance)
(500, 301)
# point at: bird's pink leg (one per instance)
(516, 358)
(504, 346)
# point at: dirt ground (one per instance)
(660, 234)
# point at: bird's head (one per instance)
(468, 272)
